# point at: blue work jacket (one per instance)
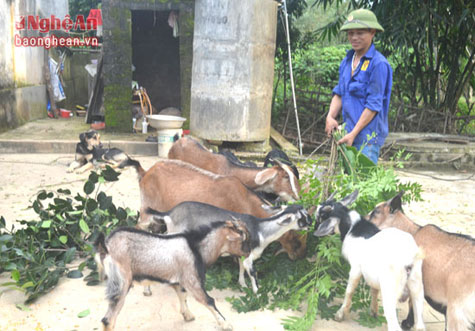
(369, 87)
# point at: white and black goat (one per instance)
(180, 260)
(389, 260)
(262, 231)
(448, 271)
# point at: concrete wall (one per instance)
(233, 69)
(117, 48)
(22, 93)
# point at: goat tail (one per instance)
(115, 280)
(136, 165)
(101, 252)
(161, 221)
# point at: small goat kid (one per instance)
(278, 179)
(180, 260)
(389, 260)
(262, 231)
(448, 270)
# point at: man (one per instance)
(364, 88)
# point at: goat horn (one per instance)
(331, 196)
(280, 251)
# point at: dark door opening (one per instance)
(156, 57)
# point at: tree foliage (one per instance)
(431, 42)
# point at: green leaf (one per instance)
(74, 274)
(93, 177)
(84, 313)
(22, 307)
(89, 187)
(64, 191)
(15, 275)
(91, 205)
(83, 225)
(5, 237)
(63, 239)
(28, 284)
(46, 224)
(68, 257)
(2, 222)
(42, 195)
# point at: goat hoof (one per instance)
(407, 325)
(147, 293)
(243, 284)
(225, 326)
(188, 317)
(339, 316)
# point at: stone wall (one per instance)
(22, 90)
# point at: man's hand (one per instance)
(347, 139)
(330, 125)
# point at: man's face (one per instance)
(360, 39)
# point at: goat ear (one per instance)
(82, 137)
(265, 175)
(395, 204)
(349, 199)
(284, 221)
(234, 236)
(327, 227)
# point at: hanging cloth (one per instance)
(173, 22)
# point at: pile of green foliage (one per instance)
(38, 253)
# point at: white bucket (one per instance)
(165, 140)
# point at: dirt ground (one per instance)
(448, 202)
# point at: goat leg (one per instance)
(353, 281)
(184, 310)
(409, 321)
(389, 298)
(147, 291)
(247, 263)
(116, 299)
(193, 285)
(242, 281)
(416, 291)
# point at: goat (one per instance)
(279, 179)
(277, 154)
(170, 182)
(262, 231)
(448, 271)
(389, 260)
(180, 260)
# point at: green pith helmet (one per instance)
(361, 19)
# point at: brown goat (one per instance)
(278, 179)
(448, 270)
(130, 254)
(169, 182)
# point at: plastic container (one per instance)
(65, 113)
(161, 122)
(166, 138)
